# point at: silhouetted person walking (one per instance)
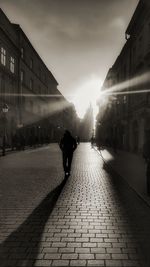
(146, 155)
(68, 145)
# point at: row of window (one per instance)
(3, 60)
(23, 80)
(31, 83)
(23, 56)
(31, 66)
(3, 57)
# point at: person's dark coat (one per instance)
(67, 144)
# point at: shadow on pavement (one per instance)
(135, 210)
(21, 248)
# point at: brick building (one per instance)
(125, 114)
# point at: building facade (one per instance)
(9, 76)
(124, 117)
(35, 105)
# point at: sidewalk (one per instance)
(131, 167)
(9, 150)
(97, 221)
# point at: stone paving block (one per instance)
(96, 240)
(103, 256)
(66, 250)
(82, 250)
(102, 235)
(104, 245)
(42, 263)
(86, 256)
(88, 235)
(74, 244)
(119, 245)
(50, 250)
(77, 263)
(53, 256)
(60, 263)
(96, 263)
(68, 239)
(70, 256)
(120, 256)
(98, 250)
(58, 244)
(76, 227)
(89, 245)
(44, 245)
(74, 235)
(113, 250)
(111, 240)
(64, 228)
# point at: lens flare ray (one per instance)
(134, 82)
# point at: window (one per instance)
(22, 76)
(12, 64)
(22, 52)
(3, 56)
(31, 63)
(31, 84)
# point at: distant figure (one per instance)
(68, 145)
(146, 155)
(92, 141)
(78, 140)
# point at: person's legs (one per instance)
(64, 162)
(70, 156)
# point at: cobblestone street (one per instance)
(97, 220)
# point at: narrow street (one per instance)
(97, 220)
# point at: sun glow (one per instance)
(86, 93)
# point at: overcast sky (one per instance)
(78, 40)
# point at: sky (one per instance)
(78, 40)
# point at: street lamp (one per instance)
(4, 110)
